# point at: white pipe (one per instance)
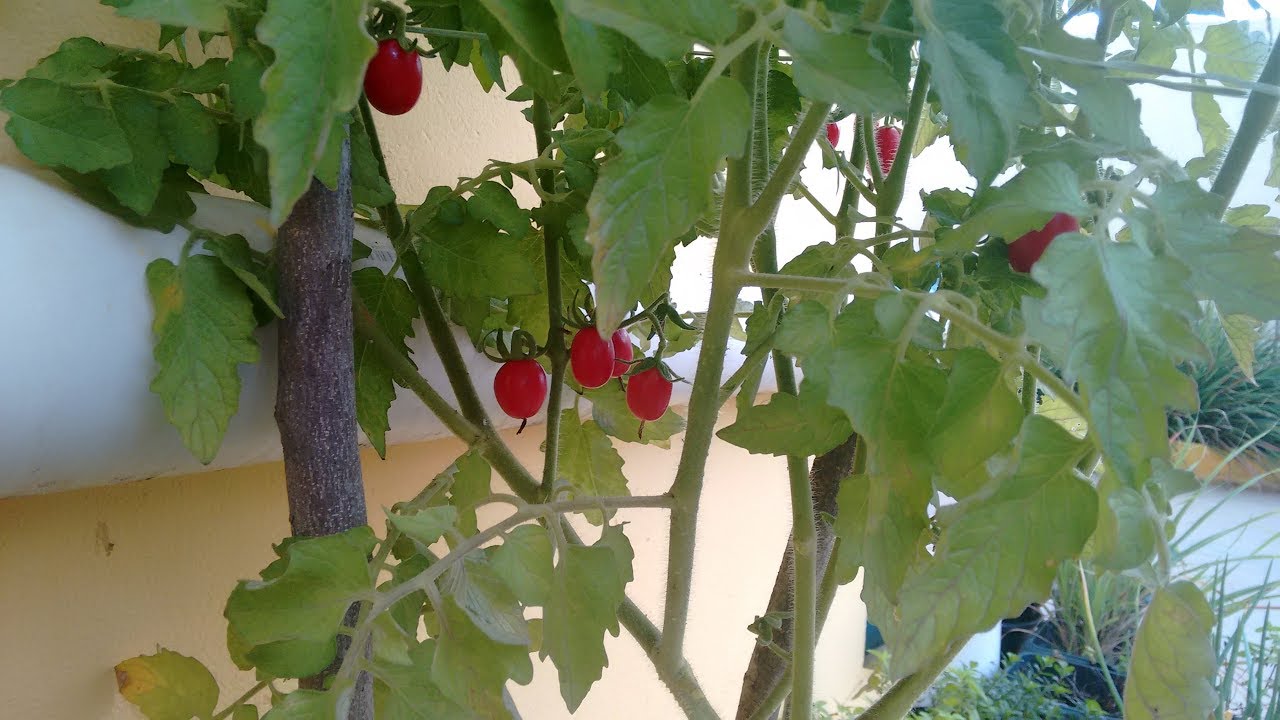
(75, 360)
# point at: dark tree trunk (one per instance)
(766, 669)
(315, 397)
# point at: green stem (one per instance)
(758, 216)
(732, 252)
(1094, 643)
(433, 316)
(895, 183)
(226, 712)
(556, 351)
(897, 702)
(817, 204)
(868, 124)
(1259, 109)
(804, 633)
(1029, 385)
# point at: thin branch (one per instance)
(552, 234)
(761, 212)
(817, 204)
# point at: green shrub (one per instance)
(1233, 409)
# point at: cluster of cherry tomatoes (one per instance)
(520, 387)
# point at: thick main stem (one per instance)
(316, 394)
(1259, 109)
(556, 351)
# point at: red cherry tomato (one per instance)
(393, 80)
(520, 388)
(621, 352)
(1026, 250)
(888, 138)
(833, 134)
(591, 358)
(648, 394)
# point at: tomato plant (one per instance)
(591, 357)
(520, 387)
(648, 394)
(1025, 252)
(622, 352)
(393, 80)
(655, 127)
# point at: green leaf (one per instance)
(168, 686)
(321, 51)
(392, 304)
(77, 60)
(1118, 318)
(204, 329)
(244, 78)
(245, 712)
(307, 598)
(889, 400)
(1231, 49)
(471, 669)
(473, 260)
(1171, 676)
(1235, 267)
(589, 48)
(532, 24)
(1215, 133)
(840, 68)
(588, 586)
(1126, 534)
(191, 132)
(53, 124)
(1026, 202)
(137, 184)
(493, 202)
(999, 550)
(588, 461)
(207, 15)
(490, 604)
(469, 477)
(523, 560)
(235, 253)
(1242, 338)
(406, 692)
(426, 525)
(640, 78)
(978, 418)
(660, 183)
(368, 187)
(976, 74)
(664, 30)
(789, 425)
(609, 410)
(1113, 114)
(305, 705)
(804, 328)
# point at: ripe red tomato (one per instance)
(833, 134)
(888, 138)
(1026, 250)
(621, 352)
(393, 80)
(520, 388)
(648, 394)
(591, 358)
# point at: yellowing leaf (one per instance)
(1172, 673)
(168, 686)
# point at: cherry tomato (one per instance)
(393, 80)
(888, 138)
(1026, 250)
(520, 388)
(621, 352)
(648, 394)
(591, 358)
(833, 134)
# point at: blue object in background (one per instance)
(874, 639)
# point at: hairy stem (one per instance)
(552, 234)
(758, 216)
(1259, 109)
(1094, 643)
(897, 702)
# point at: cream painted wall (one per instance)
(92, 577)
